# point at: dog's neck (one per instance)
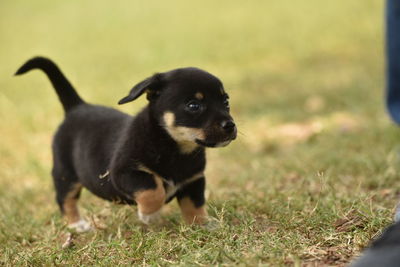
(157, 137)
(146, 143)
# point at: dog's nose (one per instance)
(228, 125)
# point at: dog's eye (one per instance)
(193, 106)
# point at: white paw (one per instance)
(212, 224)
(80, 226)
(149, 218)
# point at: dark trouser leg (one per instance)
(393, 58)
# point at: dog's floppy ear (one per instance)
(151, 86)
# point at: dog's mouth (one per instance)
(213, 144)
(205, 143)
(216, 141)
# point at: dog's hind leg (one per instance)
(68, 191)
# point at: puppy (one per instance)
(146, 160)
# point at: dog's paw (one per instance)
(211, 224)
(80, 226)
(149, 218)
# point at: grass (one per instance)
(311, 179)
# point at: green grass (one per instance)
(311, 179)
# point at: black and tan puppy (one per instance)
(148, 159)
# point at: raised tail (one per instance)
(65, 91)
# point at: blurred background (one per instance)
(306, 85)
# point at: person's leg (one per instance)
(384, 251)
(393, 58)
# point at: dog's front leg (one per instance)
(192, 202)
(145, 189)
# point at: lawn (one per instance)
(312, 177)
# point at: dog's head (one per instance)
(191, 105)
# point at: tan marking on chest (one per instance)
(171, 187)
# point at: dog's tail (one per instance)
(65, 91)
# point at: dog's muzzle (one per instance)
(226, 134)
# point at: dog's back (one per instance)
(84, 142)
(90, 134)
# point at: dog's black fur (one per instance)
(115, 155)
